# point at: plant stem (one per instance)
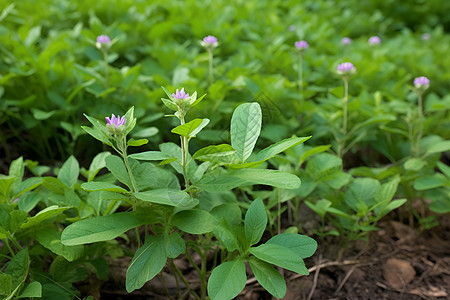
(300, 75)
(420, 122)
(279, 211)
(178, 272)
(105, 61)
(9, 248)
(210, 73)
(123, 152)
(345, 101)
(184, 155)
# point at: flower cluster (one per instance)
(374, 40)
(103, 42)
(301, 45)
(346, 68)
(210, 41)
(421, 82)
(114, 124)
(346, 41)
(180, 94)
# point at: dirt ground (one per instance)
(397, 262)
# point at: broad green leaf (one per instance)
(18, 269)
(431, 182)
(233, 179)
(444, 169)
(268, 277)
(42, 115)
(51, 239)
(148, 261)
(130, 121)
(69, 172)
(279, 147)
(16, 169)
(27, 185)
(310, 152)
(102, 186)
(191, 128)
(194, 221)
(32, 290)
(245, 129)
(169, 104)
(43, 215)
(438, 147)
(5, 284)
(29, 201)
(117, 167)
(137, 143)
(280, 256)
(301, 245)
(170, 197)
(175, 245)
(97, 164)
(54, 185)
(414, 164)
(360, 194)
(255, 222)
(101, 228)
(227, 280)
(320, 207)
(5, 186)
(150, 155)
(385, 194)
(214, 153)
(98, 134)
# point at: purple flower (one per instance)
(180, 94)
(346, 68)
(426, 36)
(292, 28)
(374, 40)
(421, 82)
(16, 200)
(103, 39)
(116, 122)
(346, 41)
(210, 39)
(301, 45)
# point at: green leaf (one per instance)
(175, 245)
(54, 185)
(255, 222)
(165, 196)
(191, 128)
(245, 129)
(439, 147)
(279, 147)
(98, 134)
(32, 290)
(101, 228)
(310, 152)
(69, 172)
(18, 269)
(42, 115)
(102, 186)
(51, 239)
(431, 182)
(137, 143)
(320, 207)
(150, 155)
(301, 245)
(16, 169)
(194, 221)
(97, 164)
(5, 284)
(169, 104)
(361, 193)
(414, 164)
(444, 169)
(27, 185)
(268, 277)
(280, 256)
(148, 261)
(117, 167)
(214, 153)
(227, 280)
(43, 215)
(245, 177)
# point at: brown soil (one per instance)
(397, 262)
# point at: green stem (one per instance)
(13, 240)
(105, 62)
(420, 122)
(184, 155)
(279, 211)
(178, 272)
(210, 72)
(9, 248)
(300, 74)
(345, 101)
(123, 151)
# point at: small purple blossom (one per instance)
(374, 40)
(292, 28)
(210, 39)
(16, 200)
(116, 122)
(426, 36)
(301, 45)
(345, 68)
(421, 82)
(346, 41)
(103, 39)
(180, 94)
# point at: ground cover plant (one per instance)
(320, 125)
